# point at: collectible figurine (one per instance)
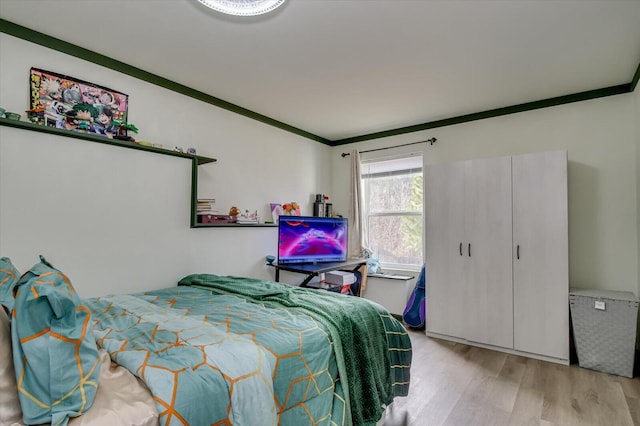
(84, 114)
(36, 115)
(120, 130)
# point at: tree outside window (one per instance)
(393, 206)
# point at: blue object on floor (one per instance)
(414, 313)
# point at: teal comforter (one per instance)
(226, 350)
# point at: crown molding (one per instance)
(634, 81)
(107, 62)
(529, 106)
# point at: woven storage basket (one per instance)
(605, 339)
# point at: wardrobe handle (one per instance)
(518, 251)
(460, 249)
(469, 249)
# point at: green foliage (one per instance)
(410, 227)
(394, 234)
(128, 126)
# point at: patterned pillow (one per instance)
(8, 278)
(54, 352)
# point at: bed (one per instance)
(226, 350)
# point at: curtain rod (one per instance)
(431, 142)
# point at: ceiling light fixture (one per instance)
(243, 7)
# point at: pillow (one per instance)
(122, 399)
(10, 411)
(8, 279)
(54, 352)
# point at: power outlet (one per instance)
(600, 305)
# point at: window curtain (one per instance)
(356, 239)
(356, 218)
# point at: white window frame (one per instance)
(378, 164)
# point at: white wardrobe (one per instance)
(497, 254)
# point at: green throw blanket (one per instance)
(372, 349)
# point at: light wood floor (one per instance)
(456, 384)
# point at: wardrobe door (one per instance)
(488, 233)
(541, 254)
(446, 292)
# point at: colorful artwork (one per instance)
(72, 104)
(287, 209)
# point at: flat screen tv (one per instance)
(309, 239)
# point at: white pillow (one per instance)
(120, 400)
(10, 411)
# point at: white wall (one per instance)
(603, 180)
(636, 96)
(117, 220)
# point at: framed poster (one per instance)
(287, 209)
(69, 103)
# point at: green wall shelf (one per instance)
(92, 138)
(235, 225)
(197, 160)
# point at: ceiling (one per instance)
(345, 68)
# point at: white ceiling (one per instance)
(343, 68)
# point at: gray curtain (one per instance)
(356, 223)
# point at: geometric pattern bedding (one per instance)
(180, 342)
(373, 350)
(223, 351)
(56, 360)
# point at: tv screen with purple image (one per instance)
(308, 239)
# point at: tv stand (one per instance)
(314, 269)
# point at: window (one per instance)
(393, 210)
